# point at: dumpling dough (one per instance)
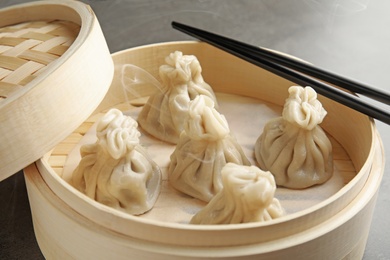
(294, 148)
(205, 146)
(247, 196)
(116, 170)
(164, 113)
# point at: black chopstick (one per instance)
(269, 61)
(303, 67)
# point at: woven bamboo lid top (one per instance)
(55, 68)
(27, 48)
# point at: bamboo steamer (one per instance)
(44, 96)
(68, 224)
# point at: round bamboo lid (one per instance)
(55, 68)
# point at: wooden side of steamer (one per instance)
(343, 236)
(242, 79)
(38, 115)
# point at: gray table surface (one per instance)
(349, 37)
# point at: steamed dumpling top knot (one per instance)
(303, 108)
(255, 187)
(247, 196)
(204, 122)
(181, 69)
(118, 133)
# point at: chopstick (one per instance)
(295, 71)
(295, 64)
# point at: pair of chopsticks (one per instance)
(298, 72)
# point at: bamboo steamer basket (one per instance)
(44, 96)
(68, 224)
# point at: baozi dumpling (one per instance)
(294, 148)
(116, 170)
(205, 146)
(164, 113)
(247, 196)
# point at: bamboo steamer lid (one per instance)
(55, 68)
